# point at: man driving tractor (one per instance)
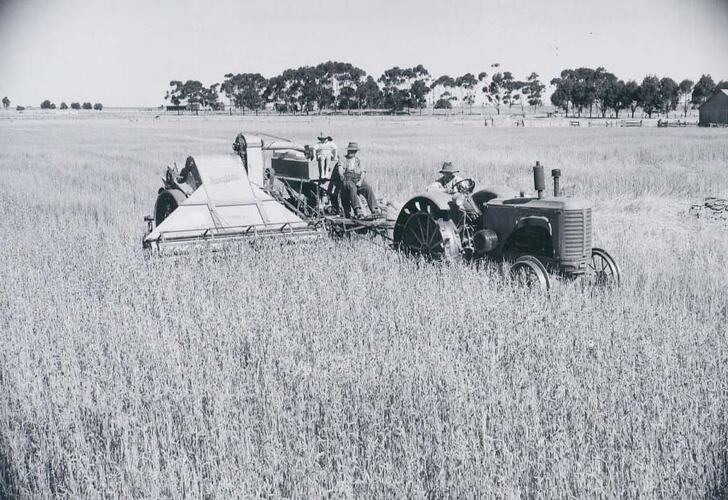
(448, 181)
(354, 184)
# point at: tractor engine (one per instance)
(557, 231)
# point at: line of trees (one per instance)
(47, 104)
(342, 86)
(597, 90)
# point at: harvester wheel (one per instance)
(529, 271)
(603, 269)
(167, 202)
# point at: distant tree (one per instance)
(229, 89)
(343, 79)
(562, 96)
(19, 108)
(251, 90)
(483, 80)
(397, 86)
(175, 93)
(632, 93)
(277, 92)
(702, 90)
(98, 106)
(623, 97)
(500, 89)
(6, 102)
(585, 88)
(245, 90)
(418, 93)
(87, 105)
(47, 104)
(64, 105)
(346, 98)
(534, 90)
(418, 79)
(443, 103)
(468, 84)
(669, 94)
(650, 95)
(722, 85)
(75, 105)
(334, 78)
(192, 93)
(368, 94)
(441, 86)
(394, 88)
(606, 90)
(684, 89)
(511, 90)
(209, 97)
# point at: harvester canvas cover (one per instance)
(226, 206)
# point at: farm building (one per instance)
(715, 109)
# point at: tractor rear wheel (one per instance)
(529, 271)
(433, 239)
(167, 202)
(603, 269)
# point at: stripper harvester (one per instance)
(269, 188)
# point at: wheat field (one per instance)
(341, 368)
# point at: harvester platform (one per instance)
(226, 206)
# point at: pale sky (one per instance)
(124, 53)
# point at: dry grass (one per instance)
(344, 369)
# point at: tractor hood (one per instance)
(555, 203)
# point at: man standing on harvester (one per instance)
(354, 184)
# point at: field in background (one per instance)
(343, 368)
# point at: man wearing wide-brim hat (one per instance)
(354, 184)
(447, 180)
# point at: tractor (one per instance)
(538, 235)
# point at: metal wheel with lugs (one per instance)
(603, 269)
(528, 271)
(422, 232)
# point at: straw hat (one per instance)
(323, 136)
(353, 147)
(447, 168)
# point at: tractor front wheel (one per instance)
(530, 272)
(603, 269)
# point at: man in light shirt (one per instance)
(447, 180)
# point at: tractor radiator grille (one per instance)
(576, 234)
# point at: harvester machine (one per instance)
(223, 198)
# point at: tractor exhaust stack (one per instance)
(538, 180)
(556, 173)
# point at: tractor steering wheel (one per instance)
(464, 186)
